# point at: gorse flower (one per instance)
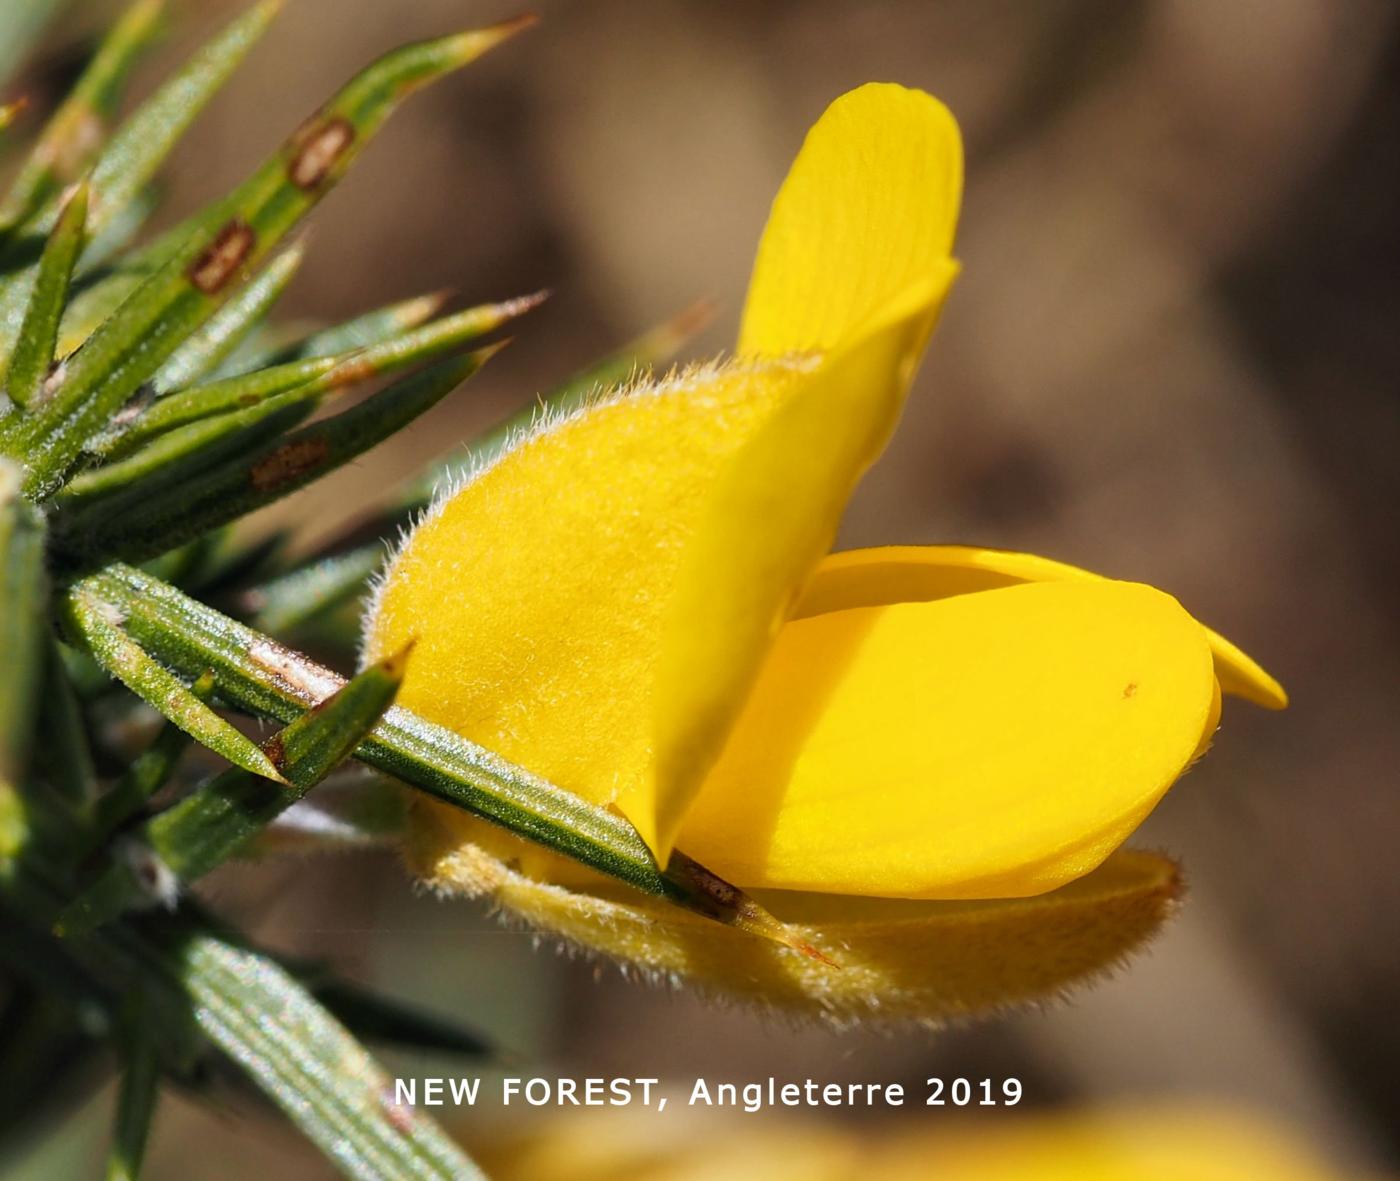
(1162, 1141)
(636, 603)
(654, 716)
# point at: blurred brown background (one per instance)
(1173, 356)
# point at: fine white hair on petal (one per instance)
(474, 873)
(679, 380)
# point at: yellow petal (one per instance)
(900, 574)
(558, 598)
(854, 265)
(895, 959)
(688, 1144)
(537, 591)
(771, 515)
(1201, 1140)
(868, 209)
(983, 746)
(1195, 1139)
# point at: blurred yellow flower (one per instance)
(636, 602)
(1163, 1143)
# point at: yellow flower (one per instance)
(635, 602)
(1159, 1142)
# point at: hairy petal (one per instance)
(894, 960)
(538, 590)
(660, 540)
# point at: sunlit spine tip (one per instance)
(396, 665)
(475, 42)
(486, 352)
(510, 308)
(667, 339)
(413, 312)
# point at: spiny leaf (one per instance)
(652, 348)
(268, 1024)
(179, 455)
(272, 681)
(223, 332)
(308, 1064)
(230, 237)
(330, 581)
(429, 341)
(204, 829)
(63, 748)
(269, 680)
(129, 162)
(131, 523)
(314, 744)
(228, 563)
(379, 1018)
(185, 565)
(371, 328)
(34, 353)
(143, 142)
(98, 296)
(136, 1098)
(148, 773)
(119, 232)
(100, 634)
(316, 375)
(70, 141)
(311, 591)
(22, 604)
(150, 437)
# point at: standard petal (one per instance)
(868, 209)
(919, 573)
(983, 746)
(770, 516)
(854, 267)
(894, 960)
(537, 591)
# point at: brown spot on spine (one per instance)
(399, 1116)
(136, 406)
(223, 256)
(351, 371)
(308, 682)
(1129, 690)
(719, 896)
(276, 750)
(318, 146)
(289, 461)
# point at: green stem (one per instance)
(136, 1099)
(256, 673)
